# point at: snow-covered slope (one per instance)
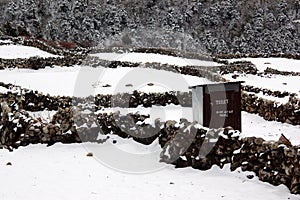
(68, 81)
(271, 82)
(151, 58)
(274, 83)
(19, 51)
(281, 64)
(65, 172)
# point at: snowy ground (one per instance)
(151, 58)
(281, 64)
(18, 51)
(70, 80)
(65, 172)
(254, 125)
(274, 83)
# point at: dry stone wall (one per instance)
(271, 71)
(183, 144)
(34, 101)
(273, 162)
(259, 55)
(39, 62)
(279, 94)
(206, 72)
(66, 58)
(272, 111)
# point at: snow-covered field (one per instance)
(18, 51)
(274, 83)
(85, 81)
(65, 172)
(281, 64)
(151, 58)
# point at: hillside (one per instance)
(229, 26)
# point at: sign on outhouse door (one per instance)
(217, 105)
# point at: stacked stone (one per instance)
(241, 67)
(129, 126)
(283, 73)
(34, 101)
(273, 162)
(183, 144)
(19, 129)
(270, 110)
(268, 92)
(40, 63)
(127, 100)
(263, 55)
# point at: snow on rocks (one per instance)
(281, 64)
(177, 140)
(5, 42)
(270, 110)
(274, 82)
(201, 148)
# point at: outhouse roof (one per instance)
(217, 83)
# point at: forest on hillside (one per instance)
(226, 26)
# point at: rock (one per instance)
(90, 154)
(52, 131)
(250, 176)
(285, 141)
(258, 141)
(45, 130)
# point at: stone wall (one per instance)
(241, 67)
(200, 71)
(183, 144)
(67, 57)
(272, 111)
(259, 55)
(45, 45)
(269, 110)
(135, 99)
(279, 94)
(277, 72)
(39, 62)
(273, 162)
